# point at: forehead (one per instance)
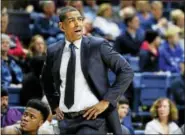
(73, 14)
(33, 111)
(4, 97)
(164, 102)
(124, 105)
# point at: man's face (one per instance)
(123, 110)
(72, 26)
(134, 24)
(31, 120)
(157, 11)
(4, 104)
(49, 9)
(4, 23)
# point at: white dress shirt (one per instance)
(83, 96)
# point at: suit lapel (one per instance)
(85, 56)
(57, 62)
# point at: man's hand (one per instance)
(94, 111)
(59, 114)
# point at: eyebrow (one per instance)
(74, 17)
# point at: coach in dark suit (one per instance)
(75, 80)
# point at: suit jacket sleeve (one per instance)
(47, 82)
(121, 68)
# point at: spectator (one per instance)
(90, 9)
(143, 14)
(78, 4)
(47, 25)
(130, 41)
(157, 11)
(126, 3)
(177, 17)
(103, 20)
(8, 116)
(90, 30)
(16, 48)
(34, 116)
(11, 73)
(123, 109)
(37, 46)
(170, 53)
(31, 87)
(124, 13)
(164, 113)
(149, 52)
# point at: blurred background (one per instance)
(149, 34)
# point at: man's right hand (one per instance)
(59, 114)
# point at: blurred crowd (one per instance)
(146, 29)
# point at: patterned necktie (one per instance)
(70, 81)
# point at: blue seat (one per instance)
(14, 96)
(134, 63)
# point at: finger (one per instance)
(95, 115)
(60, 114)
(91, 114)
(87, 112)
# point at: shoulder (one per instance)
(10, 130)
(55, 47)
(152, 123)
(14, 112)
(95, 40)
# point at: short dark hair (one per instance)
(123, 100)
(64, 10)
(40, 106)
(129, 18)
(4, 92)
(150, 35)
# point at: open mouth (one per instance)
(78, 31)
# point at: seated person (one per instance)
(123, 109)
(35, 114)
(47, 25)
(170, 53)
(16, 48)
(164, 113)
(149, 52)
(11, 73)
(130, 41)
(8, 116)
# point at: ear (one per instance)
(61, 26)
(40, 123)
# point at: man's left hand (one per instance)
(94, 111)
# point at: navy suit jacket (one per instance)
(96, 57)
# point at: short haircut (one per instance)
(40, 106)
(151, 35)
(64, 10)
(123, 100)
(129, 18)
(4, 92)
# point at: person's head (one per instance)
(157, 9)
(105, 10)
(163, 108)
(5, 43)
(37, 46)
(126, 3)
(126, 12)
(4, 100)
(91, 3)
(35, 114)
(4, 21)
(123, 107)
(71, 22)
(142, 6)
(48, 7)
(78, 4)
(152, 37)
(177, 17)
(132, 21)
(172, 35)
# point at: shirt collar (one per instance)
(77, 43)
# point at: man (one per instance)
(35, 115)
(130, 40)
(81, 95)
(8, 116)
(123, 109)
